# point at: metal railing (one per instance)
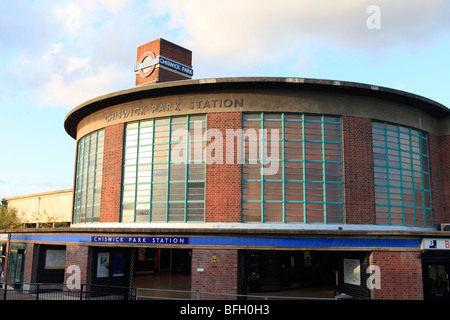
(148, 294)
(46, 291)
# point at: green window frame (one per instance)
(164, 175)
(308, 187)
(402, 175)
(88, 182)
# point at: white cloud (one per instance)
(254, 32)
(231, 38)
(71, 15)
(114, 5)
(75, 63)
(83, 15)
(54, 50)
(60, 91)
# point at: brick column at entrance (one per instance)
(31, 265)
(400, 274)
(215, 271)
(80, 257)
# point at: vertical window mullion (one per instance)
(305, 216)
(137, 171)
(168, 170)
(399, 148)
(87, 180)
(388, 188)
(324, 171)
(151, 170)
(186, 168)
(283, 163)
(95, 175)
(412, 173)
(261, 155)
(79, 181)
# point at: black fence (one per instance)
(48, 291)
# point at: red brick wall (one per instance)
(112, 173)
(223, 181)
(436, 179)
(166, 75)
(219, 275)
(31, 265)
(401, 275)
(359, 189)
(79, 256)
(444, 144)
(169, 50)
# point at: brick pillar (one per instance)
(31, 265)
(359, 188)
(158, 72)
(436, 177)
(400, 274)
(444, 155)
(81, 257)
(214, 271)
(223, 180)
(112, 173)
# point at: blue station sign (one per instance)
(140, 240)
(176, 66)
(148, 62)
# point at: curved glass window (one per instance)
(292, 168)
(402, 175)
(88, 183)
(164, 172)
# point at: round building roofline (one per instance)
(76, 115)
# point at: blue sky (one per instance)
(54, 55)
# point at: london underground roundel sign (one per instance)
(146, 64)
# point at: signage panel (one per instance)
(140, 240)
(436, 244)
(148, 62)
(176, 66)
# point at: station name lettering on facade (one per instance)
(161, 108)
(142, 240)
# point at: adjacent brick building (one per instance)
(255, 185)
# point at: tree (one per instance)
(8, 217)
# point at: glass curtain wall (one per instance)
(308, 185)
(164, 171)
(402, 175)
(88, 185)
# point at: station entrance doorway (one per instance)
(162, 272)
(316, 274)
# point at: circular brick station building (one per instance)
(256, 185)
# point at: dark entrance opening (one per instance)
(317, 274)
(436, 274)
(162, 272)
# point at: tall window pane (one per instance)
(164, 180)
(307, 152)
(402, 175)
(88, 183)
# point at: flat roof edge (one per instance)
(289, 83)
